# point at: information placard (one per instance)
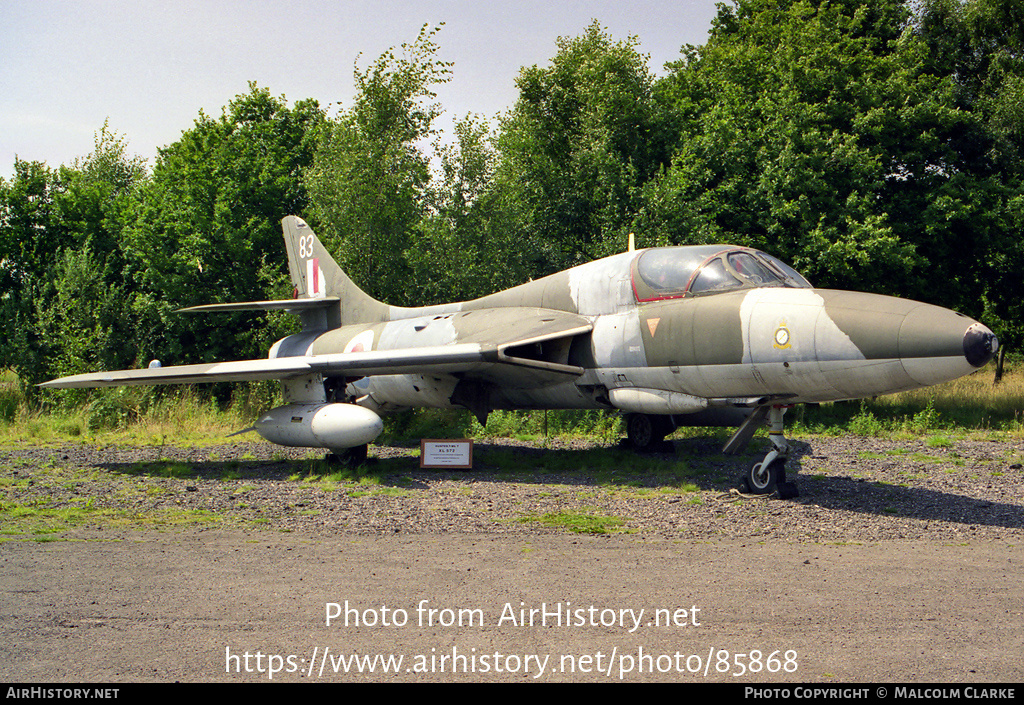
(446, 453)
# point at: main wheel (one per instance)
(643, 431)
(352, 457)
(761, 480)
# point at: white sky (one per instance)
(148, 67)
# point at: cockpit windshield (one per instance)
(673, 272)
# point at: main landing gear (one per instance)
(645, 431)
(769, 475)
(352, 457)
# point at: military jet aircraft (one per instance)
(700, 335)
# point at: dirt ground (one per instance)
(900, 561)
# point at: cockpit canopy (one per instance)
(674, 272)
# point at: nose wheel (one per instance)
(764, 479)
(769, 475)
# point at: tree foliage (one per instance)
(875, 144)
(802, 119)
(453, 250)
(63, 305)
(975, 217)
(866, 144)
(370, 176)
(207, 228)
(575, 151)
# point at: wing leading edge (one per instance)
(450, 358)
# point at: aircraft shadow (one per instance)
(896, 496)
(695, 463)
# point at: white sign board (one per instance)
(436, 453)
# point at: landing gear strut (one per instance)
(769, 475)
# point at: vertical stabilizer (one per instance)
(315, 275)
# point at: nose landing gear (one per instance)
(769, 475)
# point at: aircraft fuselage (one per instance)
(793, 343)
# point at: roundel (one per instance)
(362, 342)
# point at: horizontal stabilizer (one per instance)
(291, 305)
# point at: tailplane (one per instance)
(315, 275)
(324, 297)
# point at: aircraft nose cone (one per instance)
(929, 343)
(937, 344)
(980, 345)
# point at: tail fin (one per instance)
(316, 275)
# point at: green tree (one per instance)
(207, 228)
(978, 205)
(29, 235)
(797, 119)
(63, 304)
(370, 177)
(30, 229)
(872, 147)
(452, 254)
(584, 136)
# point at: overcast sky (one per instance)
(149, 67)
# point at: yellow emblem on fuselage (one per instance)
(781, 337)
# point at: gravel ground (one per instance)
(853, 489)
(899, 562)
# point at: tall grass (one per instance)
(524, 425)
(130, 414)
(973, 402)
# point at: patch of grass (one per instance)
(14, 482)
(525, 425)
(381, 491)
(355, 482)
(865, 423)
(129, 415)
(163, 468)
(577, 523)
(40, 517)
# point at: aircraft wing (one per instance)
(448, 358)
(535, 354)
(532, 345)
